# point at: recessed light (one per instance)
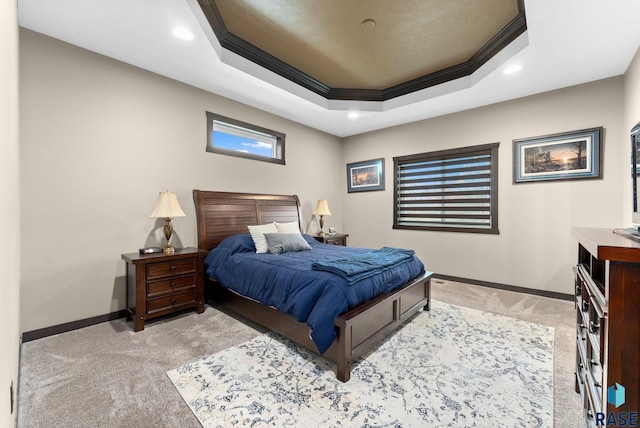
(368, 24)
(353, 115)
(512, 69)
(182, 33)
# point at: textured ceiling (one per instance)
(369, 50)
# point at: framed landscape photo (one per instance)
(365, 176)
(570, 155)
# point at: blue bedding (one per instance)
(288, 283)
(360, 266)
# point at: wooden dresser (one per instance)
(608, 325)
(161, 284)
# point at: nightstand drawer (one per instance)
(174, 267)
(335, 241)
(171, 285)
(171, 301)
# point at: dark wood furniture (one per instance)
(221, 214)
(608, 321)
(337, 239)
(161, 284)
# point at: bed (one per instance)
(222, 215)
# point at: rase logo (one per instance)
(615, 397)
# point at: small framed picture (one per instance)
(365, 176)
(570, 155)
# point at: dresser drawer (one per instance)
(174, 267)
(173, 284)
(171, 301)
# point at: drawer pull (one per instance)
(173, 267)
(593, 362)
(585, 306)
(594, 327)
(172, 285)
(173, 301)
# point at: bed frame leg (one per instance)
(343, 372)
(427, 294)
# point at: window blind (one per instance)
(453, 190)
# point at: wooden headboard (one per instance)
(222, 214)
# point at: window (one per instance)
(450, 190)
(235, 138)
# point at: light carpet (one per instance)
(451, 366)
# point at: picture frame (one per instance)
(365, 176)
(565, 156)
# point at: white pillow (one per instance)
(257, 234)
(291, 227)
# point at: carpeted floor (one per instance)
(108, 376)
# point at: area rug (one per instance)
(451, 366)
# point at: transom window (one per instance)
(235, 138)
(449, 190)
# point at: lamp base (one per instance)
(321, 234)
(168, 230)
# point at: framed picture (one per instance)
(365, 176)
(570, 155)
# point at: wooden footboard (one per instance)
(362, 328)
(359, 330)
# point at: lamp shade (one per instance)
(167, 206)
(322, 208)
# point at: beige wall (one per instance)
(534, 248)
(631, 118)
(9, 211)
(99, 140)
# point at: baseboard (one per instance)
(525, 290)
(28, 336)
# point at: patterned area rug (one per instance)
(452, 366)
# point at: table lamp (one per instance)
(322, 209)
(167, 208)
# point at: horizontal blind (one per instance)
(447, 190)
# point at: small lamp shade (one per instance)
(322, 208)
(167, 206)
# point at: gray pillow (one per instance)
(278, 243)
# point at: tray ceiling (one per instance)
(366, 50)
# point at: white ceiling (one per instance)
(568, 42)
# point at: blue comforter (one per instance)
(288, 283)
(363, 265)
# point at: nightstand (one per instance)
(161, 284)
(337, 239)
